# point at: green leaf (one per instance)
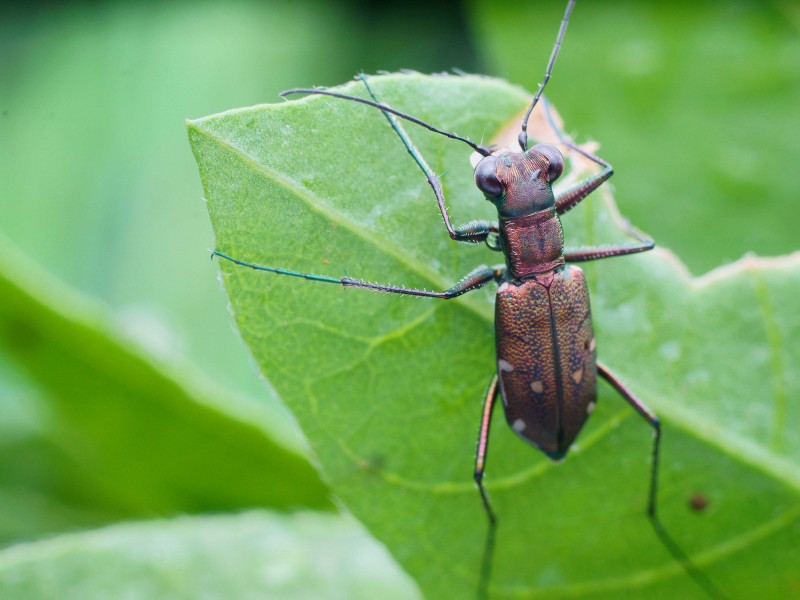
(256, 555)
(388, 389)
(92, 429)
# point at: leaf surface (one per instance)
(388, 389)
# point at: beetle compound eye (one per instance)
(486, 177)
(555, 159)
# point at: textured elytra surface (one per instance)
(388, 389)
(547, 377)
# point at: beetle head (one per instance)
(520, 183)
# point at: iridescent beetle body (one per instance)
(546, 364)
(546, 367)
(544, 339)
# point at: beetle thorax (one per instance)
(533, 244)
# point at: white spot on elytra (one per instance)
(537, 386)
(578, 375)
(518, 425)
(590, 408)
(591, 345)
(504, 366)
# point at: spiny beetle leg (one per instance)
(598, 252)
(571, 196)
(568, 198)
(648, 415)
(472, 281)
(480, 465)
(474, 232)
(483, 446)
(477, 231)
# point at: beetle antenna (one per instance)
(479, 148)
(523, 134)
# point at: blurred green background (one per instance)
(694, 103)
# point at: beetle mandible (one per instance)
(545, 348)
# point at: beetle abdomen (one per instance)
(546, 357)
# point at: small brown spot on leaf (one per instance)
(698, 502)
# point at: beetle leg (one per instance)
(483, 445)
(677, 553)
(474, 232)
(480, 466)
(574, 194)
(596, 252)
(472, 281)
(478, 231)
(649, 416)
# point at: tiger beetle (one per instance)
(547, 368)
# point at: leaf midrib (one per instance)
(471, 303)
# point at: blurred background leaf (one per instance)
(95, 431)
(257, 555)
(694, 103)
